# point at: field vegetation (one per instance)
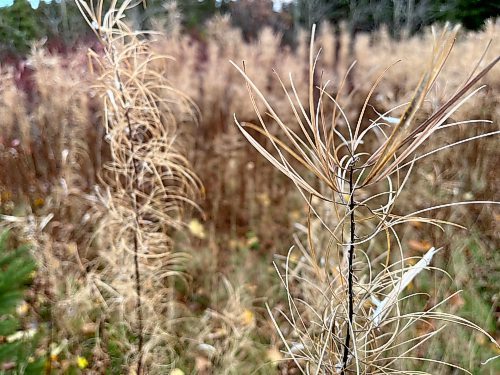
(221, 205)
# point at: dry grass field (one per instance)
(189, 215)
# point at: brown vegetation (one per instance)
(65, 184)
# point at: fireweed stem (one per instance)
(350, 269)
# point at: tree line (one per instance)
(60, 24)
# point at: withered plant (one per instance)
(147, 183)
(345, 283)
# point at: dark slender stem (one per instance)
(138, 303)
(350, 270)
(135, 189)
(48, 368)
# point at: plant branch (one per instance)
(133, 194)
(350, 276)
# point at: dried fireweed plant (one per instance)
(345, 296)
(148, 183)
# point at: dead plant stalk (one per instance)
(341, 331)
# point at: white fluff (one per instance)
(384, 306)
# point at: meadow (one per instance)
(189, 215)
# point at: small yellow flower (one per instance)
(82, 362)
(196, 229)
(176, 371)
(247, 317)
(39, 202)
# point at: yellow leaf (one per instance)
(39, 202)
(197, 229)
(247, 317)
(6, 196)
(82, 362)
